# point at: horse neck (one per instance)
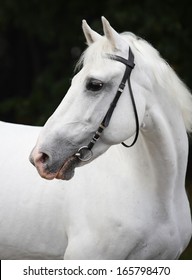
(167, 138)
(162, 148)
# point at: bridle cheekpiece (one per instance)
(85, 153)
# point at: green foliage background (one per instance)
(41, 40)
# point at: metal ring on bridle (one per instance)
(84, 154)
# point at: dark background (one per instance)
(41, 40)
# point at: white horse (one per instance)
(123, 203)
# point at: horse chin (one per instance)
(67, 170)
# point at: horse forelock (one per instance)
(94, 54)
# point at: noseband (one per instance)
(85, 153)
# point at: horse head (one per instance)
(92, 91)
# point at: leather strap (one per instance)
(129, 63)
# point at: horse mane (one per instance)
(148, 59)
(164, 76)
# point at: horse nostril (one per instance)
(44, 158)
(38, 159)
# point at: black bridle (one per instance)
(85, 152)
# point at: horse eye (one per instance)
(94, 85)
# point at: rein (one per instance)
(85, 153)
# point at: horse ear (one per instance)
(90, 35)
(110, 33)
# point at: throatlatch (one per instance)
(85, 153)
